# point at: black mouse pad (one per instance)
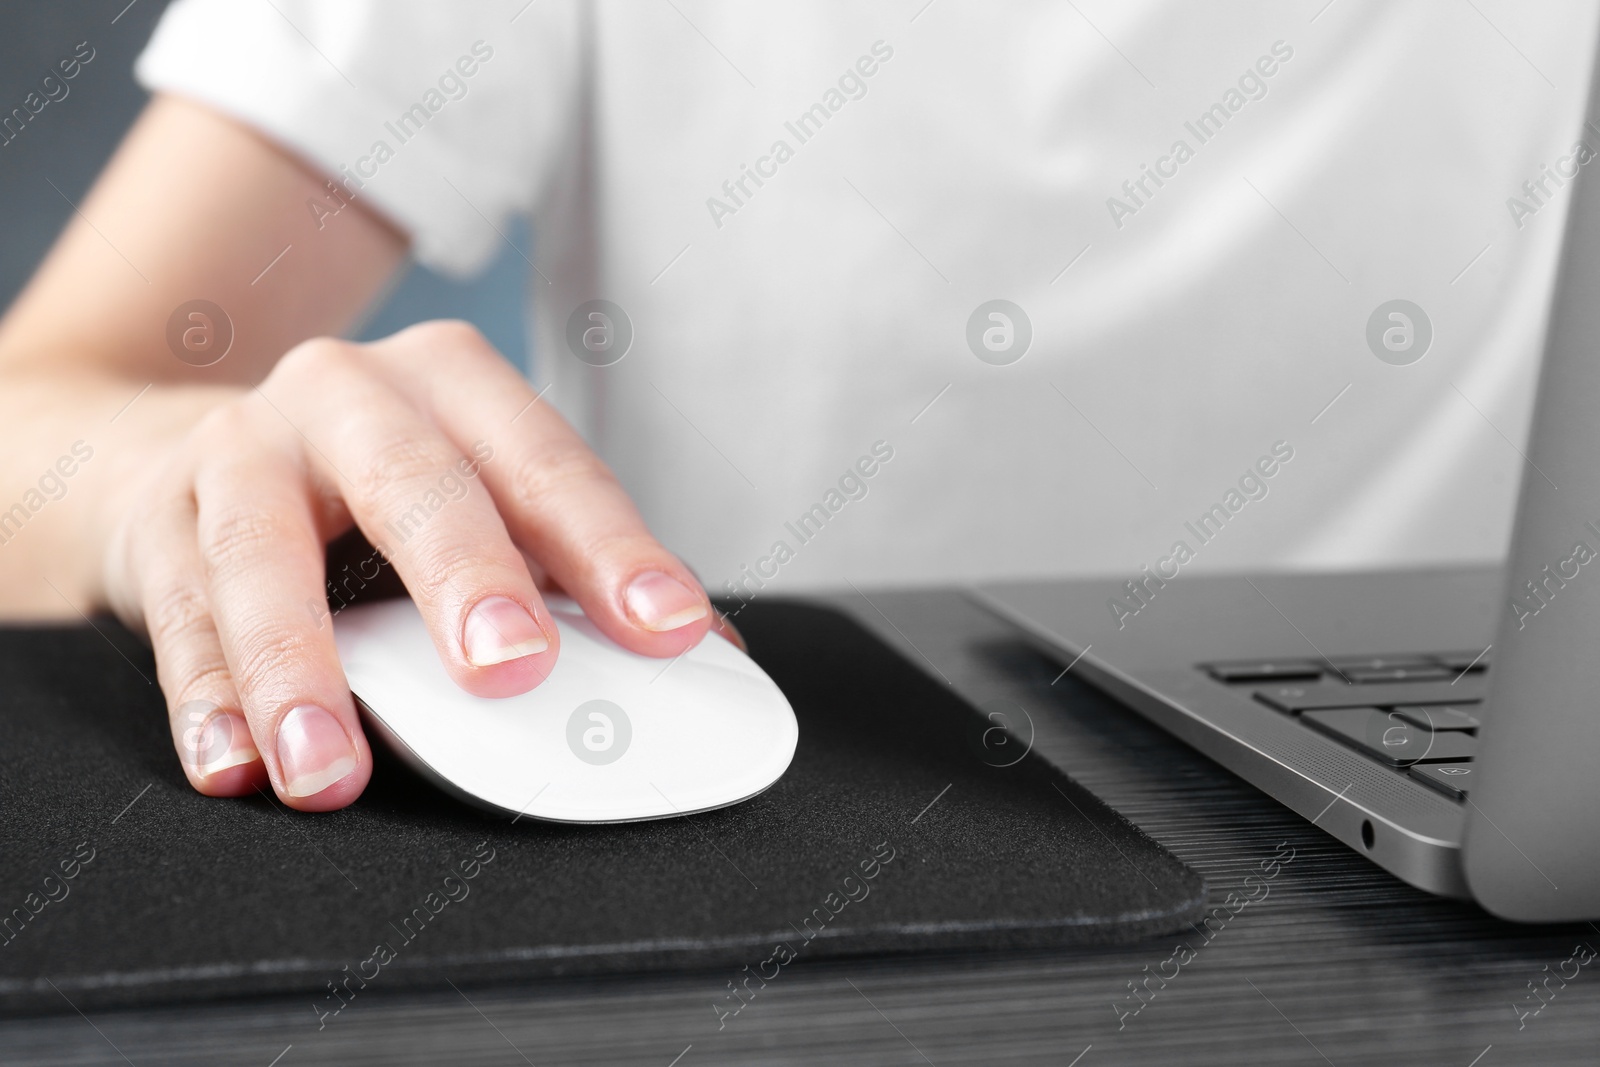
(905, 823)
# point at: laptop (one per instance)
(1443, 723)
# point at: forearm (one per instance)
(98, 375)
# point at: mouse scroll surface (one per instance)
(609, 736)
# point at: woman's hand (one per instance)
(443, 457)
(215, 488)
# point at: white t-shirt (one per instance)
(801, 208)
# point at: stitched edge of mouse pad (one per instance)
(907, 822)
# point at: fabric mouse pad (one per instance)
(902, 825)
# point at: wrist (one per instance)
(74, 456)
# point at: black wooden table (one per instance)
(1333, 961)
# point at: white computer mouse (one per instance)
(609, 736)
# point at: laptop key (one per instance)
(1438, 716)
(1263, 670)
(1387, 737)
(1413, 673)
(1290, 698)
(1454, 780)
(1380, 663)
(1331, 693)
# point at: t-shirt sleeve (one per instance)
(439, 116)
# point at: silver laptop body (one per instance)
(1362, 701)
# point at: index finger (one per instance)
(560, 502)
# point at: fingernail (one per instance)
(213, 739)
(314, 750)
(224, 742)
(500, 629)
(660, 602)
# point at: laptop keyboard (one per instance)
(1417, 714)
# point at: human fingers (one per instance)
(165, 595)
(261, 548)
(417, 496)
(558, 500)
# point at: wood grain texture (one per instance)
(1337, 963)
